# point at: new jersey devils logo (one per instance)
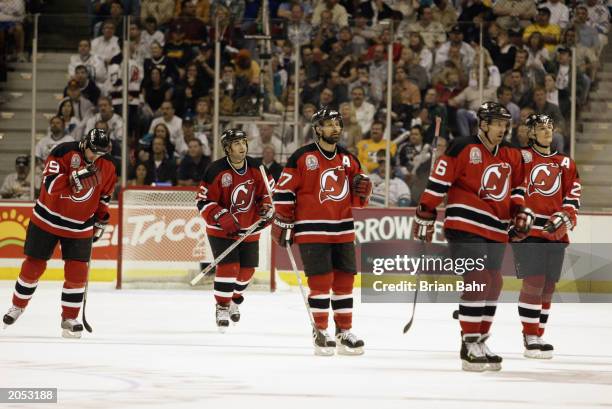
(242, 197)
(544, 179)
(334, 184)
(495, 182)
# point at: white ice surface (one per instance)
(160, 349)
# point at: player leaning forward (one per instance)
(484, 182)
(553, 193)
(313, 199)
(232, 196)
(78, 181)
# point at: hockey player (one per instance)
(78, 181)
(232, 196)
(553, 193)
(484, 183)
(313, 199)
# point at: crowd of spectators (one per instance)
(526, 49)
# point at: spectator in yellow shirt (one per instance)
(367, 148)
(551, 33)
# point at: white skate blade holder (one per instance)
(493, 366)
(345, 350)
(66, 333)
(473, 366)
(535, 354)
(324, 351)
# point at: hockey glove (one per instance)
(424, 220)
(282, 230)
(84, 178)
(557, 226)
(265, 211)
(227, 222)
(521, 224)
(362, 186)
(100, 226)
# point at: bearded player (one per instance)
(232, 196)
(78, 181)
(553, 193)
(313, 199)
(483, 180)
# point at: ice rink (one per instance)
(160, 349)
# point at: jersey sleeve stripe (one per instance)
(431, 192)
(437, 187)
(575, 203)
(205, 204)
(50, 181)
(438, 181)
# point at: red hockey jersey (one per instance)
(239, 192)
(484, 189)
(315, 190)
(553, 185)
(60, 211)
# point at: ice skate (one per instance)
(222, 316)
(472, 355)
(493, 359)
(533, 348)
(71, 328)
(546, 349)
(323, 343)
(11, 316)
(347, 343)
(234, 312)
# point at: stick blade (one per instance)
(407, 326)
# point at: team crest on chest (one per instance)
(334, 184)
(544, 179)
(75, 161)
(226, 180)
(242, 197)
(495, 182)
(312, 162)
(475, 156)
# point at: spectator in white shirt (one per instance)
(95, 65)
(107, 45)
(55, 137)
(364, 111)
(455, 37)
(559, 13)
(12, 13)
(114, 122)
(173, 122)
(151, 35)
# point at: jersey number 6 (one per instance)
(441, 168)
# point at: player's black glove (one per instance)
(424, 220)
(84, 178)
(557, 226)
(521, 224)
(100, 226)
(362, 186)
(282, 230)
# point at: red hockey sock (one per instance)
(342, 299)
(472, 305)
(530, 303)
(318, 300)
(225, 280)
(75, 277)
(242, 282)
(549, 289)
(31, 270)
(496, 282)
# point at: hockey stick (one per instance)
(319, 336)
(85, 323)
(433, 152)
(228, 250)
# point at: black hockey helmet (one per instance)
(230, 135)
(97, 140)
(493, 110)
(534, 120)
(324, 114)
